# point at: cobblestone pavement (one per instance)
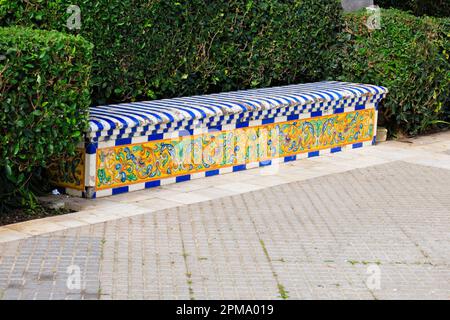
(380, 232)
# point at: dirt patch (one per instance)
(21, 215)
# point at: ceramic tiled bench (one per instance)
(133, 146)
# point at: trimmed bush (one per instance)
(437, 8)
(44, 98)
(159, 49)
(408, 55)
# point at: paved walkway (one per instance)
(366, 224)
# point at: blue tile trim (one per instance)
(158, 136)
(239, 168)
(91, 148)
(357, 145)
(290, 158)
(152, 184)
(186, 177)
(338, 110)
(265, 163)
(360, 107)
(211, 173)
(337, 149)
(316, 114)
(243, 124)
(120, 190)
(268, 120)
(313, 154)
(293, 117)
(123, 141)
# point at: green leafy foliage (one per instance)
(44, 98)
(157, 49)
(410, 56)
(437, 8)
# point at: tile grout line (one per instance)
(188, 273)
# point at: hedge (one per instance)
(410, 56)
(438, 8)
(159, 49)
(44, 98)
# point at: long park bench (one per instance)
(139, 145)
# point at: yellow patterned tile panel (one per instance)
(136, 163)
(69, 172)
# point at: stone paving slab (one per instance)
(330, 237)
(320, 248)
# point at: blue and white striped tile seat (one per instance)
(162, 116)
(118, 130)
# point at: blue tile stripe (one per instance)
(123, 141)
(211, 173)
(290, 158)
(91, 148)
(337, 149)
(316, 114)
(265, 163)
(152, 184)
(186, 177)
(239, 167)
(120, 190)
